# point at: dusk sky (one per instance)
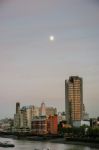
(33, 69)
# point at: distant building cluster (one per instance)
(38, 120)
(6, 125)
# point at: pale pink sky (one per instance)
(33, 69)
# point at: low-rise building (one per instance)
(81, 123)
(53, 124)
(6, 125)
(42, 125)
(39, 125)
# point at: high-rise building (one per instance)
(17, 107)
(74, 99)
(17, 116)
(23, 118)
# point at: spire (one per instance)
(42, 109)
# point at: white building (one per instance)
(35, 111)
(81, 123)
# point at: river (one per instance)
(32, 145)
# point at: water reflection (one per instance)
(32, 145)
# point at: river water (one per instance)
(32, 145)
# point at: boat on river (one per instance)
(6, 144)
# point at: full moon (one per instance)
(51, 38)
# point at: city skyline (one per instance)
(33, 68)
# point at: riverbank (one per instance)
(59, 140)
(92, 145)
(63, 141)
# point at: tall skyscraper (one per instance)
(74, 99)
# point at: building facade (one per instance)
(42, 125)
(39, 125)
(52, 124)
(74, 99)
(36, 119)
(17, 116)
(51, 111)
(23, 116)
(17, 107)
